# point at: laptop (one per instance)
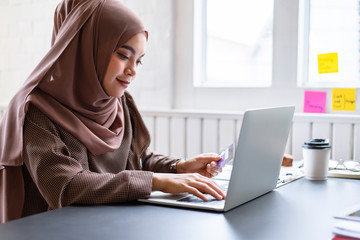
(255, 167)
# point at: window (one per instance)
(328, 46)
(233, 43)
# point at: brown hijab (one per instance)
(66, 86)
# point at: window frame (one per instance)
(199, 55)
(303, 80)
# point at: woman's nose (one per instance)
(131, 70)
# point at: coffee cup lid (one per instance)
(317, 143)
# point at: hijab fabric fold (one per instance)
(67, 86)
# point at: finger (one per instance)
(210, 187)
(213, 164)
(211, 173)
(205, 189)
(212, 169)
(218, 189)
(196, 192)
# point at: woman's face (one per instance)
(123, 65)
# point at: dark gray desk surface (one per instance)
(300, 210)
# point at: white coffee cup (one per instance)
(316, 154)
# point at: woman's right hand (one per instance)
(192, 183)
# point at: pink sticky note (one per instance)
(314, 102)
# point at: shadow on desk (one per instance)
(262, 219)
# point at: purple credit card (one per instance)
(226, 156)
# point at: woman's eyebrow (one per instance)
(131, 49)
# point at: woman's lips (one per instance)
(124, 83)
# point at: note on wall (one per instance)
(314, 102)
(328, 63)
(343, 99)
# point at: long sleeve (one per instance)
(157, 162)
(61, 172)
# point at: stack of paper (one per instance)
(348, 225)
(344, 169)
(343, 174)
(346, 229)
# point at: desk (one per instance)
(300, 210)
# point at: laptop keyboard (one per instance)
(194, 199)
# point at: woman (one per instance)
(73, 135)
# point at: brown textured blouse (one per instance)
(60, 171)
(74, 117)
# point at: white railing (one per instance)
(185, 133)
(188, 133)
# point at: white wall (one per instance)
(153, 87)
(165, 80)
(25, 35)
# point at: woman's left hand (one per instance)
(204, 164)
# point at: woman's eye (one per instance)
(122, 56)
(139, 62)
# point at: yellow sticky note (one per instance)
(343, 99)
(328, 63)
